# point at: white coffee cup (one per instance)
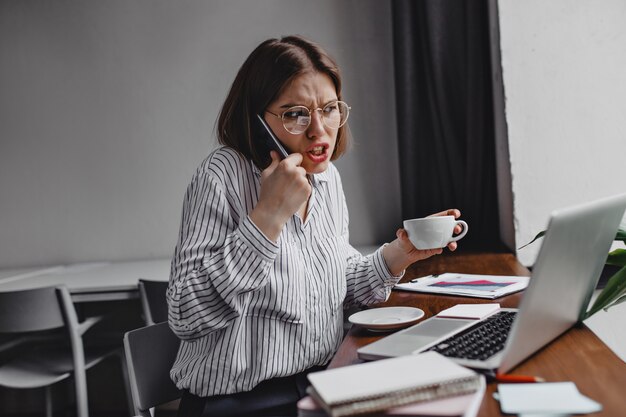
(433, 232)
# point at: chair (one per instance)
(46, 343)
(153, 302)
(150, 354)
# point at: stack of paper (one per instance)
(468, 285)
(555, 398)
(392, 383)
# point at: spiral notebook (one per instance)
(380, 385)
(464, 405)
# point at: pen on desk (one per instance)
(517, 378)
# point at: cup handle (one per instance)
(460, 235)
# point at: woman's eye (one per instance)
(331, 108)
(294, 114)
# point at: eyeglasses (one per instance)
(297, 119)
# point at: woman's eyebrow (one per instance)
(290, 104)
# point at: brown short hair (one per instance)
(260, 80)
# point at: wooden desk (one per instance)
(578, 355)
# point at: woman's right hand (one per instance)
(284, 189)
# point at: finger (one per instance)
(452, 246)
(294, 159)
(301, 171)
(458, 229)
(441, 213)
(272, 166)
(403, 237)
(432, 252)
(450, 212)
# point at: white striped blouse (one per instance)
(247, 309)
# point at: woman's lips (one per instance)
(317, 153)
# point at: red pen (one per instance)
(517, 378)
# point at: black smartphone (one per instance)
(270, 139)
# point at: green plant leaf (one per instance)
(618, 301)
(540, 234)
(620, 235)
(617, 257)
(615, 288)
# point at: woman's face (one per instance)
(317, 143)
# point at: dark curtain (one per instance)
(445, 114)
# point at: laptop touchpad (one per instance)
(434, 329)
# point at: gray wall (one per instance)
(106, 108)
(563, 67)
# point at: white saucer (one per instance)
(386, 318)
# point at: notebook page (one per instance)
(372, 379)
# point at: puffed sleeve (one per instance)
(219, 258)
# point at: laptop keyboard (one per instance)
(480, 341)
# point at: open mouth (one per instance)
(317, 150)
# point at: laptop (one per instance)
(563, 279)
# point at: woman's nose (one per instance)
(316, 128)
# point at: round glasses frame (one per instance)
(304, 121)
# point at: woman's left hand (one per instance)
(401, 253)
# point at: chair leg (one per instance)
(80, 387)
(129, 396)
(48, 390)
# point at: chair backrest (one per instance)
(153, 302)
(30, 310)
(47, 308)
(150, 354)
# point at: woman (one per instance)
(263, 269)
